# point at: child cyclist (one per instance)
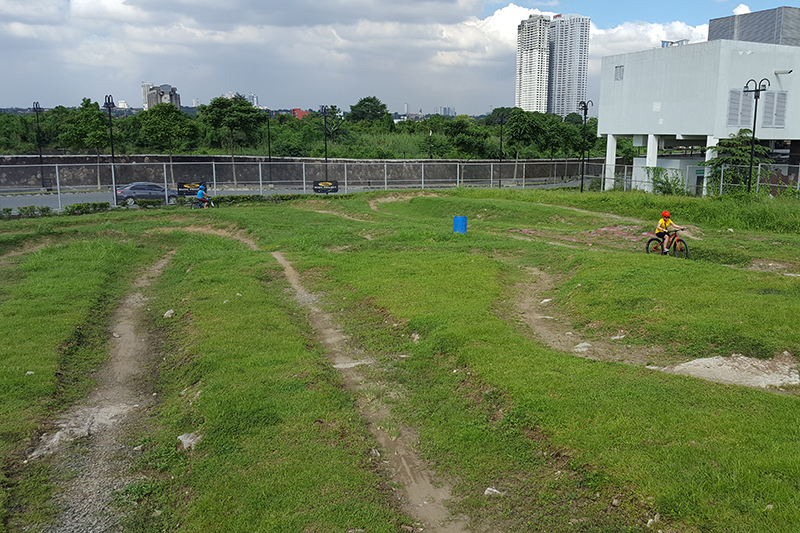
(202, 196)
(662, 231)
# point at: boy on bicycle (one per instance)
(662, 232)
(202, 196)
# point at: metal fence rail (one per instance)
(59, 185)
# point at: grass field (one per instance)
(573, 444)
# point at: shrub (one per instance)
(27, 211)
(5, 213)
(85, 209)
(667, 181)
(144, 204)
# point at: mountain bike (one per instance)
(679, 247)
(199, 205)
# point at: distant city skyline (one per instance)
(305, 54)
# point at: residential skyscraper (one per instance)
(533, 63)
(552, 63)
(772, 26)
(569, 63)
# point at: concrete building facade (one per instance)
(693, 96)
(167, 94)
(146, 85)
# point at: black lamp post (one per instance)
(584, 108)
(269, 144)
(38, 109)
(430, 145)
(757, 89)
(325, 114)
(109, 104)
(503, 119)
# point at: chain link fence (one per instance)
(59, 185)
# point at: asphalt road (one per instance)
(51, 200)
(21, 198)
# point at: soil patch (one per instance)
(424, 493)
(88, 445)
(208, 230)
(537, 311)
(373, 204)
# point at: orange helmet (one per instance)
(665, 214)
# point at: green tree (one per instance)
(164, 125)
(12, 133)
(236, 117)
(733, 155)
(86, 129)
(576, 119)
(369, 108)
(331, 126)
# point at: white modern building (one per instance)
(569, 63)
(146, 86)
(693, 96)
(533, 63)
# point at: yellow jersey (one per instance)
(663, 225)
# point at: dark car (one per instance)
(141, 190)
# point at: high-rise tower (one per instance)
(552, 63)
(533, 61)
(569, 63)
(146, 85)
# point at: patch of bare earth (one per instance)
(229, 233)
(402, 197)
(87, 444)
(537, 311)
(781, 267)
(315, 205)
(423, 492)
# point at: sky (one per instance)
(423, 54)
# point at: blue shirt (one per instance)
(201, 194)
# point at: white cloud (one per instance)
(106, 9)
(741, 9)
(301, 53)
(41, 11)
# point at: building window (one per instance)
(619, 71)
(774, 109)
(740, 109)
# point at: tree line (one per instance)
(234, 126)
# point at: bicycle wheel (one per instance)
(653, 246)
(680, 249)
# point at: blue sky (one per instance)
(423, 54)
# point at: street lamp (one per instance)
(757, 89)
(503, 118)
(38, 109)
(430, 145)
(109, 104)
(323, 110)
(584, 108)
(269, 144)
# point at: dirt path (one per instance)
(89, 447)
(537, 311)
(424, 493)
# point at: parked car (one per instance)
(141, 190)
